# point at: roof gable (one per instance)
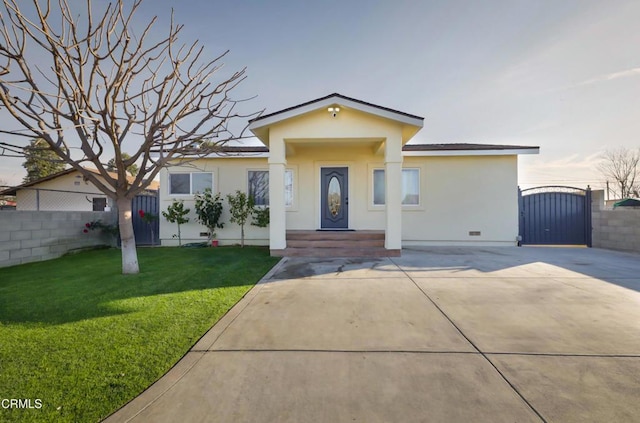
(331, 99)
(260, 125)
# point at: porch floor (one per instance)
(366, 243)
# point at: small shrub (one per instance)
(260, 216)
(98, 225)
(149, 219)
(240, 207)
(176, 213)
(209, 210)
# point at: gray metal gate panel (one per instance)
(555, 216)
(146, 234)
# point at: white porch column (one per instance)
(393, 193)
(277, 215)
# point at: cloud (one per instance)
(571, 162)
(611, 76)
(574, 170)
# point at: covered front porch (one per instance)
(322, 157)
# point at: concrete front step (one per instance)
(330, 243)
(294, 235)
(335, 244)
(335, 252)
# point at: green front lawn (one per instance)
(84, 339)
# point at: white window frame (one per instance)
(419, 204)
(191, 193)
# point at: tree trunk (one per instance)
(127, 239)
(242, 236)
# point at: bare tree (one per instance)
(622, 167)
(106, 88)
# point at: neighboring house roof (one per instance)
(13, 191)
(627, 202)
(243, 149)
(260, 126)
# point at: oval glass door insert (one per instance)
(333, 196)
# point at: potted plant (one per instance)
(208, 212)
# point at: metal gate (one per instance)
(146, 233)
(555, 215)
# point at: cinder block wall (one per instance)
(27, 236)
(617, 229)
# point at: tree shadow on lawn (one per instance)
(90, 285)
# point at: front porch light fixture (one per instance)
(333, 111)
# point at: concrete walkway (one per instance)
(438, 335)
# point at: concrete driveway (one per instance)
(438, 335)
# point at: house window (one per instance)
(410, 187)
(189, 183)
(288, 187)
(99, 204)
(378, 187)
(259, 187)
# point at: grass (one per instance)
(85, 339)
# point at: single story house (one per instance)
(336, 171)
(67, 190)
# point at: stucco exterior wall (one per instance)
(458, 195)
(229, 175)
(349, 124)
(307, 163)
(57, 200)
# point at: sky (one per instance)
(561, 75)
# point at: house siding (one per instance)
(461, 195)
(458, 195)
(229, 175)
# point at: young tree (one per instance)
(241, 207)
(176, 213)
(93, 87)
(132, 169)
(208, 211)
(622, 167)
(150, 220)
(40, 161)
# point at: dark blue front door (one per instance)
(334, 198)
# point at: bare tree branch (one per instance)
(109, 86)
(621, 167)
